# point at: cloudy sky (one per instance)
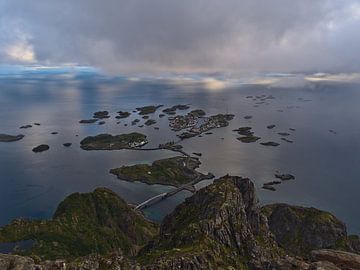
(183, 36)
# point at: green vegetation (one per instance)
(300, 230)
(98, 222)
(171, 171)
(220, 227)
(211, 229)
(109, 142)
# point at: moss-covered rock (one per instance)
(220, 227)
(97, 222)
(300, 230)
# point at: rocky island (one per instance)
(175, 171)
(150, 122)
(10, 138)
(247, 135)
(110, 142)
(88, 121)
(122, 114)
(101, 115)
(172, 110)
(26, 127)
(148, 109)
(248, 139)
(270, 144)
(222, 226)
(195, 123)
(41, 148)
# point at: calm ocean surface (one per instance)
(326, 165)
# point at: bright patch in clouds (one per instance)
(214, 84)
(21, 52)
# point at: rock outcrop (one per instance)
(14, 262)
(220, 227)
(299, 230)
(99, 222)
(343, 260)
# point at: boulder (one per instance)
(343, 260)
(14, 262)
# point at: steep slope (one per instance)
(299, 230)
(98, 222)
(220, 226)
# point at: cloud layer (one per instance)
(184, 36)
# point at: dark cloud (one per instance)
(185, 36)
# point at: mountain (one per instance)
(86, 223)
(222, 226)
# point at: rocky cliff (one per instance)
(98, 222)
(300, 230)
(219, 227)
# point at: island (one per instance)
(245, 131)
(150, 122)
(247, 135)
(284, 134)
(101, 115)
(148, 109)
(41, 148)
(270, 144)
(135, 121)
(285, 176)
(110, 142)
(88, 121)
(122, 115)
(248, 139)
(26, 126)
(195, 123)
(287, 140)
(175, 171)
(11, 138)
(172, 110)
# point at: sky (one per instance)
(226, 36)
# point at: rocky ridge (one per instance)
(221, 226)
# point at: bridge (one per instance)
(151, 201)
(163, 196)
